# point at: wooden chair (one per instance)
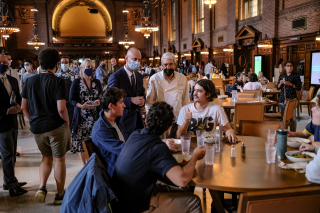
(222, 92)
(307, 102)
(245, 95)
(257, 128)
(271, 85)
(257, 92)
(234, 80)
(299, 95)
(21, 119)
(247, 111)
(287, 115)
(89, 148)
(294, 200)
(218, 82)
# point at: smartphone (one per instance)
(90, 103)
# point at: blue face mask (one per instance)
(134, 65)
(3, 68)
(88, 72)
(103, 66)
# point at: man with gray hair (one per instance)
(169, 86)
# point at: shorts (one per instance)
(55, 143)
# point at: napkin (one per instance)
(299, 167)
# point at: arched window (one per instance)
(200, 16)
(173, 20)
(251, 8)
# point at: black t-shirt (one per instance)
(237, 83)
(42, 92)
(143, 158)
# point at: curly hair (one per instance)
(209, 87)
(159, 118)
(111, 95)
(49, 58)
(253, 77)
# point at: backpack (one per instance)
(229, 88)
(300, 68)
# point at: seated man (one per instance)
(107, 133)
(143, 158)
(313, 128)
(203, 114)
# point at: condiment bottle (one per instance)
(243, 150)
(233, 151)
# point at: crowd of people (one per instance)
(68, 107)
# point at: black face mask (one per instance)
(168, 72)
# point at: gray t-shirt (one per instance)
(118, 131)
(26, 75)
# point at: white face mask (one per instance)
(27, 68)
(134, 65)
(65, 67)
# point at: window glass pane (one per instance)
(200, 16)
(253, 8)
(246, 10)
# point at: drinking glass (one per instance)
(271, 152)
(210, 149)
(271, 136)
(185, 144)
(200, 137)
(217, 139)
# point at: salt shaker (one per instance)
(233, 151)
(243, 150)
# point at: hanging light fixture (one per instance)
(126, 42)
(210, 2)
(35, 41)
(146, 27)
(7, 23)
(318, 36)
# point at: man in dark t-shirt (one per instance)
(44, 104)
(143, 159)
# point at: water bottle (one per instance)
(281, 143)
(234, 95)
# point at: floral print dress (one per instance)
(88, 116)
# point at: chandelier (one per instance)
(7, 27)
(210, 2)
(146, 27)
(127, 42)
(35, 41)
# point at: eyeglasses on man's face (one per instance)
(288, 65)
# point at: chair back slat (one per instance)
(289, 110)
(248, 111)
(311, 92)
(256, 92)
(271, 85)
(294, 200)
(257, 128)
(246, 95)
(218, 82)
(89, 148)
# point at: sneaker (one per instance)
(41, 195)
(58, 199)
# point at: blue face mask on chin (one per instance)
(103, 66)
(88, 72)
(3, 68)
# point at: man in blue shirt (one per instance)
(107, 133)
(143, 158)
(101, 70)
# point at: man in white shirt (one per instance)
(203, 114)
(168, 86)
(11, 71)
(208, 68)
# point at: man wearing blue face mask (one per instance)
(128, 79)
(101, 70)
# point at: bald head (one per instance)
(134, 55)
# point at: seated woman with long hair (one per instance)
(253, 83)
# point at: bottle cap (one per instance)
(282, 132)
(242, 144)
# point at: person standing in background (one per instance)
(101, 70)
(11, 71)
(131, 82)
(114, 66)
(207, 69)
(29, 72)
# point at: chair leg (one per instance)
(301, 108)
(308, 109)
(24, 123)
(20, 120)
(298, 114)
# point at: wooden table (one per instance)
(227, 103)
(275, 94)
(248, 174)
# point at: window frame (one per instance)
(246, 13)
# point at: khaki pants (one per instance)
(175, 202)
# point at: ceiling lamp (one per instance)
(126, 42)
(146, 27)
(35, 41)
(204, 53)
(261, 45)
(227, 50)
(7, 23)
(210, 2)
(318, 36)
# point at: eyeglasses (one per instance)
(289, 65)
